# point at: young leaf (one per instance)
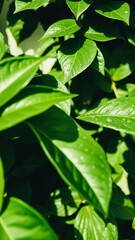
(20, 221)
(121, 205)
(79, 160)
(78, 6)
(30, 102)
(88, 225)
(22, 5)
(99, 62)
(122, 62)
(75, 56)
(2, 184)
(15, 74)
(119, 10)
(61, 28)
(117, 114)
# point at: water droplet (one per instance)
(84, 137)
(109, 120)
(81, 157)
(128, 121)
(86, 150)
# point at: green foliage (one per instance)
(67, 120)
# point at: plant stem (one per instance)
(115, 89)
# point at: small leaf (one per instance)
(20, 221)
(89, 225)
(30, 102)
(119, 10)
(75, 155)
(22, 5)
(78, 6)
(121, 205)
(15, 74)
(117, 114)
(99, 62)
(61, 28)
(75, 56)
(63, 202)
(122, 62)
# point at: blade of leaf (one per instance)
(22, 5)
(119, 10)
(79, 160)
(15, 74)
(61, 28)
(88, 225)
(2, 184)
(20, 221)
(3, 47)
(30, 102)
(117, 114)
(75, 56)
(78, 6)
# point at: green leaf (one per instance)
(133, 223)
(119, 10)
(75, 155)
(121, 205)
(101, 30)
(61, 28)
(15, 74)
(99, 62)
(122, 62)
(2, 184)
(30, 102)
(63, 202)
(22, 5)
(102, 82)
(20, 221)
(117, 114)
(89, 225)
(78, 6)
(75, 56)
(3, 47)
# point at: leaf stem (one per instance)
(115, 89)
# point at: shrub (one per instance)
(67, 120)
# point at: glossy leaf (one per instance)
(117, 114)
(75, 155)
(119, 10)
(122, 62)
(22, 5)
(99, 62)
(20, 221)
(88, 225)
(3, 47)
(75, 56)
(122, 206)
(63, 202)
(78, 6)
(2, 184)
(15, 74)
(31, 101)
(61, 28)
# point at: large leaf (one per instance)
(80, 161)
(3, 47)
(61, 28)
(117, 114)
(122, 206)
(15, 74)
(20, 221)
(78, 6)
(122, 62)
(75, 56)
(88, 225)
(2, 184)
(22, 5)
(30, 102)
(119, 10)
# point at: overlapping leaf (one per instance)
(20, 221)
(22, 5)
(31, 101)
(118, 114)
(88, 225)
(119, 10)
(3, 47)
(75, 56)
(77, 157)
